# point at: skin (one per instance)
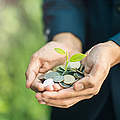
(46, 58)
(99, 60)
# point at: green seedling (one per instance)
(75, 58)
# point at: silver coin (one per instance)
(78, 75)
(59, 70)
(60, 67)
(49, 71)
(69, 79)
(48, 82)
(58, 79)
(82, 73)
(74, 65)
(40, 77)
(62, 84)
(81, 68)
(51, 75)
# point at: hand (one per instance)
(97, 64)
(46, 58)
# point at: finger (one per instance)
(87, 69)
(49, 88)
(99, 71)
(65, 102)
(94, 79)
(32, 71)
(83, 83)
(68, 93)
(97, 75)
(46, 66)
(85, 59)
(57, 87)
(90, 80)
(37, 86)
(52, 105)
(38, 96)
(42, 102)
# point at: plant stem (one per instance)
(67, 61)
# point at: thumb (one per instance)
(32, 71)
(83, 83)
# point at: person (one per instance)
(91, 27)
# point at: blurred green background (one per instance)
(21, 34)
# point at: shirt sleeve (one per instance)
(116, 38)
(64, 16)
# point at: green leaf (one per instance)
(77, 57)
(60, 51)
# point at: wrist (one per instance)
(114, 52)
(69, 40)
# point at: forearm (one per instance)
(70, 41)
(65, 16)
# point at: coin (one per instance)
(51, 75)
(82, 73)
(58, 79)
(81, 68)
(62, 67)
(48, 82)
(59, 68)
(62, 84)
(49, 71)
(78, 75)
(68, 72)
(40, 77)
(74, 65)
(69, 79)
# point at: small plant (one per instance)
(75, 58)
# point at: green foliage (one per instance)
(20, 36)
(77, 57)
(60, 51)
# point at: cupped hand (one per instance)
(97, 64)
(46, 58)
(43, 60)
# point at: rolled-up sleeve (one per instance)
(116, 38)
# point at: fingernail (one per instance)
(42, 102)
(37, 95)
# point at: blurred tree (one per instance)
(20, 36)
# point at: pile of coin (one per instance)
(65, 78)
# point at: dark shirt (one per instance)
(93, 21)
